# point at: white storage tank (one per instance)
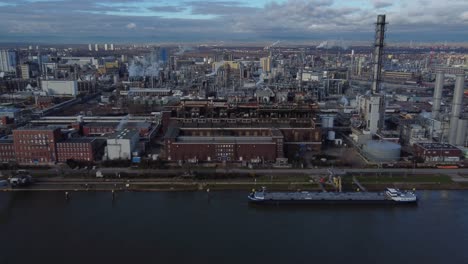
(327, 121)
(331, 135)
(382, 151)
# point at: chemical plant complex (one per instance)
(279, 106)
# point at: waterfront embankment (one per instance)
(236, 181)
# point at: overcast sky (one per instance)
(82, 21)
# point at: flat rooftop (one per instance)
(149, 90)
(224, 139)
(39, 128)
(437, 146)
(113, 124)
(77, 140)
(124, 134)
(9, 110)
(6, 139)
(244, 123)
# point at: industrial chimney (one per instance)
(456, 107)
(377, 70)
(378, 52)
(439, 85)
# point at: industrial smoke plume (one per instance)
(146, 66)
(329, 44)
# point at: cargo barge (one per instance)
(389, 196)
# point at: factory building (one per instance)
(25, 71)
(146, 92)
(309, 76)
(369, 109)
(296, 122)
(60, 88)
(36, 145)
(390, 76)
(94, 129)
(122, 144)
(266, 64)
(9, 115)
(235, 65)
(245, 140)
(81, 61)
(448, 70)
(5, 120)
(437, 152)
(8, 61)
(79, 149)
(7, 150)
(87, 87)
(224, 145)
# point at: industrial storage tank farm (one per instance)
(382, 151)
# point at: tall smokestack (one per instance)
(456, 107)
(377, 70)
(439, 85)
(378, 52)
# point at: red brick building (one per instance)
(165, 120)
(5, 120)
(36, 145)
(7, 150)
(253, 122)
(437, 152)
(79, 149)
(91, 129)
(218, 145)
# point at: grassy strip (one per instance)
(270, 187)
(280, 178)
(162, 187)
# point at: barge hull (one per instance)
(330, 202)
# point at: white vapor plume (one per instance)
(145, 66)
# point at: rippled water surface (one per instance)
(220, 227)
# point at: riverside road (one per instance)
(112, 172)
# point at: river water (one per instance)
(220, 227)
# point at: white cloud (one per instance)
(131, 25)
(193, 20)
(378, 4)
(464, 16)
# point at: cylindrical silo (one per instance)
(456, 107)
(461, 132)
(439, 85)
(327, 121)
(382, 151)
(331, 119)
